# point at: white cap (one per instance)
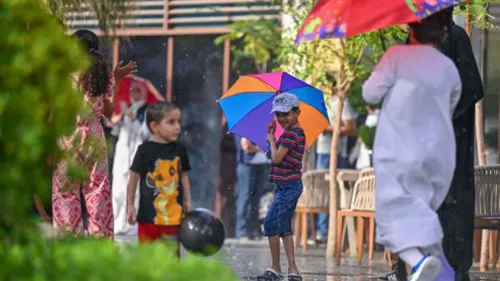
(284, 102)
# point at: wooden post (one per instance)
(170, 66)
(481, 154)
(116, 51)
(226, 65)
(332, 220)
(481, 150)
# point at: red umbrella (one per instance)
(124, 91)
(344, 18)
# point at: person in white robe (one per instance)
(414, 149)
(133, 131)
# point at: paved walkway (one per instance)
(249, 258)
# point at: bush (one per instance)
(35, 83)
(38, 105)
(98, 260)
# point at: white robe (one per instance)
(414, 149)
(132, 134)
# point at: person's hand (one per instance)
(131, 217)
(122, 71)
(188, 207)
(271, 138)
(271, 129)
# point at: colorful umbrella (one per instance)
(247, 106)
(344, 18)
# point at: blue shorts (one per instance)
(278, 220)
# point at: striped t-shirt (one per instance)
(289, 170)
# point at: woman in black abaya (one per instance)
(457, 212)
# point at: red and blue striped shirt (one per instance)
(290, 169)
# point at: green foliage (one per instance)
(307, 61)
(478, 11)
(260, 41)
(100, 260)
(38, 104)
(367, 135)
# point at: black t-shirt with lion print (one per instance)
(160, 166)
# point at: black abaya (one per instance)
(457, 212)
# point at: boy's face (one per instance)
(288, 119)
(169, 128)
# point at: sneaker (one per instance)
(393, 276)
(321, 238)
(426, 270)
(398, 272)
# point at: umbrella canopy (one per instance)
(247, 106)
(344, 18)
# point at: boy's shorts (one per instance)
(149, 232)
(279, 217)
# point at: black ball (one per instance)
(202, 232)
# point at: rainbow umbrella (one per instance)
(345, 18)
(247, 106)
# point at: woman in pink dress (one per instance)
(97, 84)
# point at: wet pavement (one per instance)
(249, 259)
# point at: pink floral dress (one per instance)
(66, 204)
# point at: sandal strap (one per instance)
(273, 272)
(294, 277)
(271, 275)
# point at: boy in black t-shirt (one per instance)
(160, 166)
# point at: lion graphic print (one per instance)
(165, 180)
(160, 167)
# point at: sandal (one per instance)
(270, 275)
(294, 277)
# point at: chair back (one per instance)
(363, 196)
(487, 189)
(316, 191)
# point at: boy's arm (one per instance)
(131, 189)
(277, 153)
(186, 188)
